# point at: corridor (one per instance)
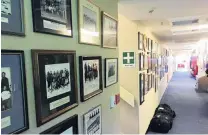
(191, 108)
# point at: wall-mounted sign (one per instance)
(128, 59)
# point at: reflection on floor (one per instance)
(191, 107)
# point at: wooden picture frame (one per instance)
(55, 83)
(14, 108)
(140, 41)
(111, 71)
(90, 69)
(141, 61)
(89, 23)
(68, 126)
(142, 87)
(56, 22)
(92, 121)
(12, 17)
(109, 30)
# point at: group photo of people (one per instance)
(111, 70)
(54, 9)
(57, 79)
(91, 72)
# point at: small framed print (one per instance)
(146, 83)
(52, 17)
(141, 61)
(68, 126)
(93, 121)
(109, 31)
(89, 23)
(154, 61)
(149, 57)
(153, 81)
(14, 113)
(142, 87)
(12, 17)
(111, 71)
(90, 69)
(141, 41)
(55, 83)
(145, 43)
(149, 45)
(149, 82)
(146, 61)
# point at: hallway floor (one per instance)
(191, 108)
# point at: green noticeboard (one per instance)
(129, 59)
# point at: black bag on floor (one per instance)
(165, 109)
(161, 123)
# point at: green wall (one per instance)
(32, 40)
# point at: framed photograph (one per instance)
(146, 83)
(52, 17)
(149, 62)
(145, 43)
(90, 69)
(154, 47)
(109, 31)
(146, 61)
(93, 121)
(141, 61)
(153, 81)
(14, 110)
(149, 82)
(156, 84)
(149, 45)
(141, 41)
(89, 23)
(154, 61)
(68, 126)
(142, 87)
(111, 71)
(12, 17)
(55, 83)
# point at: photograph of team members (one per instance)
(91, 76)
(111, 71)
(92, 121)
(57, 79)
(54, 10)
(109, 31)
(6, 7)
(89, 20)
(6, 89)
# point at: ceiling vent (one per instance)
(185, 22)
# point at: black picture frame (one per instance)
(55, 83)
(141, 61)
(64, 126)
(82, 68)
(56, 22)
(149, 56)
(142, 87)
(113, 78)
(92, 121)
(140, 41)
(12, 18)
(15, 110)
(108, 40)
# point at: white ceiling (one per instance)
(166, 11)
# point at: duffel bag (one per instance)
(164, 108)
(161, 123)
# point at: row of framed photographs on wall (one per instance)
(146, 44)
(55, 84)
(55, 17)
(146, 83)
(92, 121)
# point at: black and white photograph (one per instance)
(111, 71)
(89, 19)
(57, 79)
(89, 23)
(109, 31)
(54, 10)
(142, 87)
(91, 76)
(90, 68)
(141, 61)
(6, 7)
(92, 121)
(52, 17)
(6, 89)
